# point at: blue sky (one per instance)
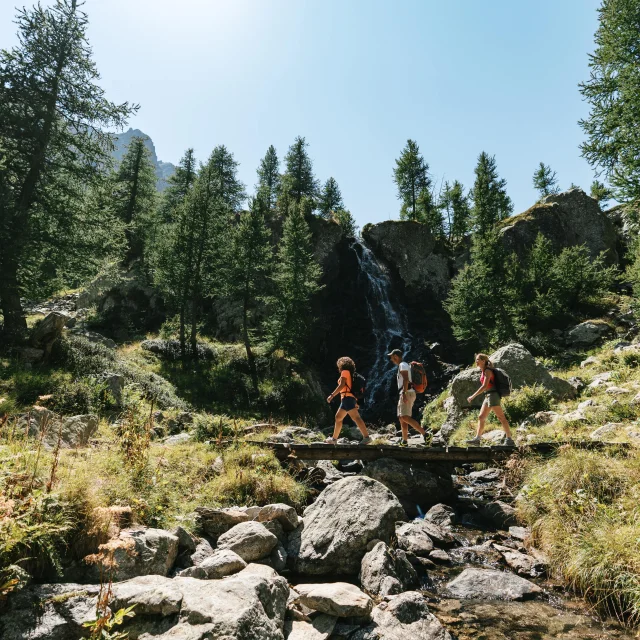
(356, 78)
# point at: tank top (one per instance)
(346, 391)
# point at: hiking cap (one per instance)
(395, 352)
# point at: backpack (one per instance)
(358, 384)
(502, 382)
(418, 377)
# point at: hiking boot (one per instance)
(474, 442)
(508, 442)
(403, 443)
(366, 440)
(331, 441)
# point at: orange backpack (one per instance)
(418, 377)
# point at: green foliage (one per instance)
(456, 212)
(180, 184)
(298, 181)
(47, 82)
(525, 402)
(134, 196)
(269, 180)
(344, 218)
(411, 176)
(600, 192)
(330, 199)
(430, 214)
(296, 281)
(212, 427)
(613, 92)
(491, 204)
(545, 180)
(496, 297)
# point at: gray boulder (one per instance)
(523, 369)
(405, 617)
(489, 584)
(115, 384)
(501, 514)
(588, 333)
(413, 483)
(567, 219)
(339, 525)
(441, 514)
(283, 513)
(387, 571)
(218, 565)
(215, 522)
(414, 538)
(48, 330)
(339, 599)
(250, 540)
(320, 628)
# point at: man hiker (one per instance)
(407, 397)
(491, 401)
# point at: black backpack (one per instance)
(502, 382)
(358, 384)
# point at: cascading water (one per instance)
(388, 321)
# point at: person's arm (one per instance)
(405, 384)
(338, 389)
(485, 387)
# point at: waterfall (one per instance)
(389, 321)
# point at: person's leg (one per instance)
(354, 414)
(412, 422)
(482, 418)
(503, 419)
(404, 427)
(340, 414)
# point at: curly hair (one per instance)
(346, 363)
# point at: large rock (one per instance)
(587, 333)
(142, 552)
(412, 482)
(250, 540)
(489, 584)
(73, 431)
(501, 514)
(441, 514)
(338, 526)
(48, 330)
(247, 606)
(282, 513)
(414, 538)
(406, 617)
(523, 369)
(339, 599)
(215, 522)
(567, 219)
(320, 628)
(221, 563)
(387, 571)
(411, 249)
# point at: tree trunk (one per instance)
(247, 345)
(15, 324)
(193, 338)
(183, 336)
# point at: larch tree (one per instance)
(134, 197)
(600, 192)
(298, 181)
(455, 206)
(411, 176)
(612, 127)
(429, 213)
(491, 204)
(545, 180)
(54, 144)
(251, 263)
(330, 198)
(226, 186)
(296, 281)
(180, 184)
(269, 179)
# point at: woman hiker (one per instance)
(491, 401)
(348, 404)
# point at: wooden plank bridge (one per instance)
(322, 451)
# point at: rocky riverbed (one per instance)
(353, 567)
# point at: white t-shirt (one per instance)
(403, 366)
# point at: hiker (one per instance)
(491, 401)
(348, 403)
(406, 399)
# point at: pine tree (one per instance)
(613, 92)
(298, 181)
(180, 184)
(600, 192)
(429, 213)
(344, 218)
(330, 198)
(227, 189)
(545, 180)
(455, 205)
(134, 196)
(296, 281)
(53, 134)
(411, 175)
(491, 204)
(269, 180)
(251, 263)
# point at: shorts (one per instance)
(405, 405)
(348, 403)
(491, 399)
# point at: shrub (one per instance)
(525, 402)
(211, 427)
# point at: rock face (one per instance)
(250, 540)
(337, 527)
(410, 248)
(406, 617)
(523, 369)
(386, 571)
(567, 219)
(413, 483)
(488, 584)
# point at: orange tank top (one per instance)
(346, 391)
